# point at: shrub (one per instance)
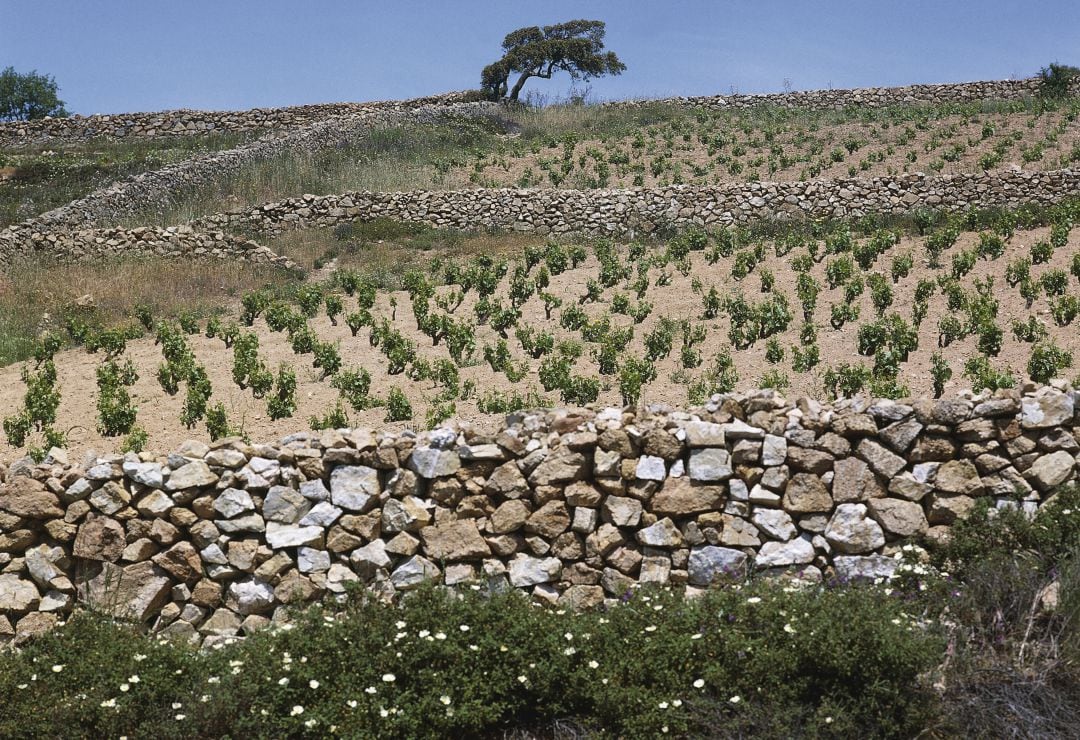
(1056, 80)
(354, 386)
(1046, 360)
(398, 407)
(198, 396)
(940, 372)
(116, 413)
(217, 422)
(282, 402)
(334, 418)
(633, 376)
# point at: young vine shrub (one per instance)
(398, 407)
(116, 412)
(282, 402)
(217, 422)
(1047, 360)
(198, 396)
(354, 386)
(334, 418)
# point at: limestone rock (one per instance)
(99, 538)
(134, 591)
(898, 518)
(806, 494)
(851, 532)
(193, 475)
(526, 571)
(1052, 470)
(773, 554)
(454, 540)
(709, 564)
(663, 533)
(680, 497)
(354, 487)
(30, 499)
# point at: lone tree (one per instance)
(576, 47)
(24, 97)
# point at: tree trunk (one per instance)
(519, 84)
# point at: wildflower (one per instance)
(754, 600)
(370, 690)
(311, 723)
(464, 628)
(651, 628)
(424, 633)
(213, 679)
(400, 625)
(21, 686)
(828, 720)
(57, 668)
(139, 657)
(389, 678)
(109, 703)
(696, 636)
(677, 703)
(177, 705)
(283, 681)
(181, 717)
(569, 651)
(663, 705)
(445, 699)
(523, 679)
(313, 684)
(383, 713)
(569, 636)
(352, 703)
(133, 679)
(593, 664)
(699, 684)
(789, 629)
(440, 635)
(125, 687)
(735, 699)
(296, 711)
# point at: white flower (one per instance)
(109, 703)
(296, 711)
(213, 679)
(176, 705)
(424, 633)
(440, 635)
(700, 683)
(352, 703)
(370, 690)
(311, 723)
(663, 705)
(389, 678)
(569, 651)
(523, 679)
(464, 628)
(124, 687)
(789, 629)
(139, 657)
(828, 720)
(383, 713)
(180, 717)
(313, 684)
(754, 600)
(133, 679)
(593, 664)
(283, 681)
(696, 636)
(735, 699)
(569, 636)
(400, 625)
(677, 703)
(651, 628)
(57, 668)
(445, 699)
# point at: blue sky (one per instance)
(127, 55)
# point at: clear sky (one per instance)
(128, 55)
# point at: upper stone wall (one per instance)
(196, 122)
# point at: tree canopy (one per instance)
(575, 47)
(26, 96)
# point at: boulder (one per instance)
(529, 571)
(710, 464)
(1050, 471)
(680, 497)
(454, 540)
(850, 531)
(805, 494)
(897, 517)
(195, 474)
(28, 498)
(99, 538)
(354, 488)
(134, 591)
(709, 564)
(798, 551)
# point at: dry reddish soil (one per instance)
(159, 413)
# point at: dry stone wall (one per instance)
(644, 209)
(195, 122)
(573, 506)
(866, 97)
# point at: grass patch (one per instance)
(47, 177)
(38, 296)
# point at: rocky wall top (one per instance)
(547, 211)
(575, 506)
(197, 122)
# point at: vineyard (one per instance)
(399, 324)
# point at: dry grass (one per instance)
(34, 296)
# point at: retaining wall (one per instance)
(644, 209)
(573, 506)
(197, 122)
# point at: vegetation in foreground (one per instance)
(977, 651)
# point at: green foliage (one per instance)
(135, 441)
(940, 372)
(334, 418)
(983, 375)
(398, 407)
(1065, 309)
(116, 412)
(354, 386)
(1047, 360)
(217, 422)
(633, 376)
(575, 47)
(1041, 252)
(40, 402)
(1057, 80)
(198, 396)
(27, 96)
(845, 380)
(282, 402)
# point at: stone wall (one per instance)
(197, 123)
(865, 97)
(143, 241)
(643, 209)
(573, 506)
